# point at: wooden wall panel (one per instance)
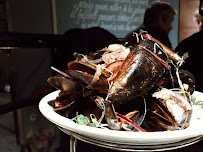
(187, 24)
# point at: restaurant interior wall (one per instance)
(118, 17)
(30, 16)
(187, 24)
(30, 68)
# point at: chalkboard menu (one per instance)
(117, 16)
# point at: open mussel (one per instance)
(142, 70)
(123, 83)
(173, 110)
(86, 67)
(74, 97)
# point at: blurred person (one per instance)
(157, 21)
(199, 20)
(193, 45)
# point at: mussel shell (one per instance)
(187, 78)
(86, 67)
(85, 78)
(139, 73)
(67, 86)
(172, 111)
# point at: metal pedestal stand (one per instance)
(126, 147)
(73, 143)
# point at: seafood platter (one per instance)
(133, 94)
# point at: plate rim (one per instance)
(142, 138)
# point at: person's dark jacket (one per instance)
(193, 45)
(156, 33)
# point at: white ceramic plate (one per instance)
(132, 138)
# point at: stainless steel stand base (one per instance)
(73, 143)
(125, 146)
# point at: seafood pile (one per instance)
(138, 88)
